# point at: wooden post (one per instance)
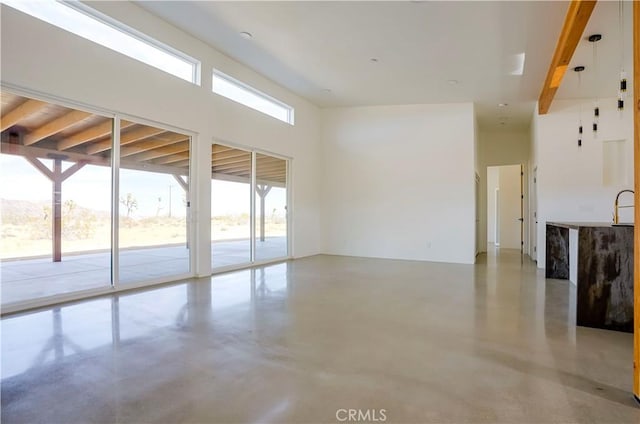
(262, 192)
(56, 177)
(636, 167)
(56, 210)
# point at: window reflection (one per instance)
(45, 338)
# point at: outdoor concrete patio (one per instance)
(26, 279)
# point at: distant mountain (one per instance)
(23, 209)
(19, 211)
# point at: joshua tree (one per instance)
(130, 203)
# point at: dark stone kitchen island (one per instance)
(598, 257)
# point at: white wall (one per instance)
(509, 205)
(498, 147)
(493, 183)
(399, 182)
(570, 179)
(37, 56)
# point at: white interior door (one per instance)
(510, 207)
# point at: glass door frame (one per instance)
(115, 205)
(252, 204)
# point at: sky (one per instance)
(91, 188)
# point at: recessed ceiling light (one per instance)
(503, 104)
(452, 82)
(373, 60)
(246, 35)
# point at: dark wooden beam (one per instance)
(575, 21)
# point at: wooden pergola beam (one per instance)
(144, 146)
(271, 174)
(575, 21)
(229, 161)
(245, 179)
(130, 137)
(219, 148)
(27, 108)
(98, 131)
(262, 158)
(273, 165)
(181, 164)
(172, 159)
(55, 126)
(246, 165)
(183, 183)
(38, 152)
(230, 154)
(162, 151)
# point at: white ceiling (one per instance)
(313, 47)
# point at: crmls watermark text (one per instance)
(361, 415)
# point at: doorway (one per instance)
(505, 207)
(249, 197)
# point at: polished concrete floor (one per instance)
(299, 342)
(27, 279)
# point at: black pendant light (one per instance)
(578, 70)
(622, 91)
(594, 38)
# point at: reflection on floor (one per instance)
(298, 341)
(238, 252)
(33, 278)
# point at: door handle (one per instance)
(521, 219)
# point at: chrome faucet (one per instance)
(616, 206)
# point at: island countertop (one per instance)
(598, 258)
(577, 224)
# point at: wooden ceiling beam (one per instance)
(55, 126)
(220, 162)
(172, 159)
(269, 161)
(90, 134)
(575, 21)
(246, 161)
(238, 165)
(272, 172)
(162, 151)
(271, 167)
(22, 111)
(246, 174)
(230, 154)
(181, 164)
(143, 146)
(37, 152)
(127, 138)
(219, 148)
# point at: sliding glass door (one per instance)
(242, 233)
(230, 206)
(270, 208)
(56, 200)
(153, 203)
(63, 174)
